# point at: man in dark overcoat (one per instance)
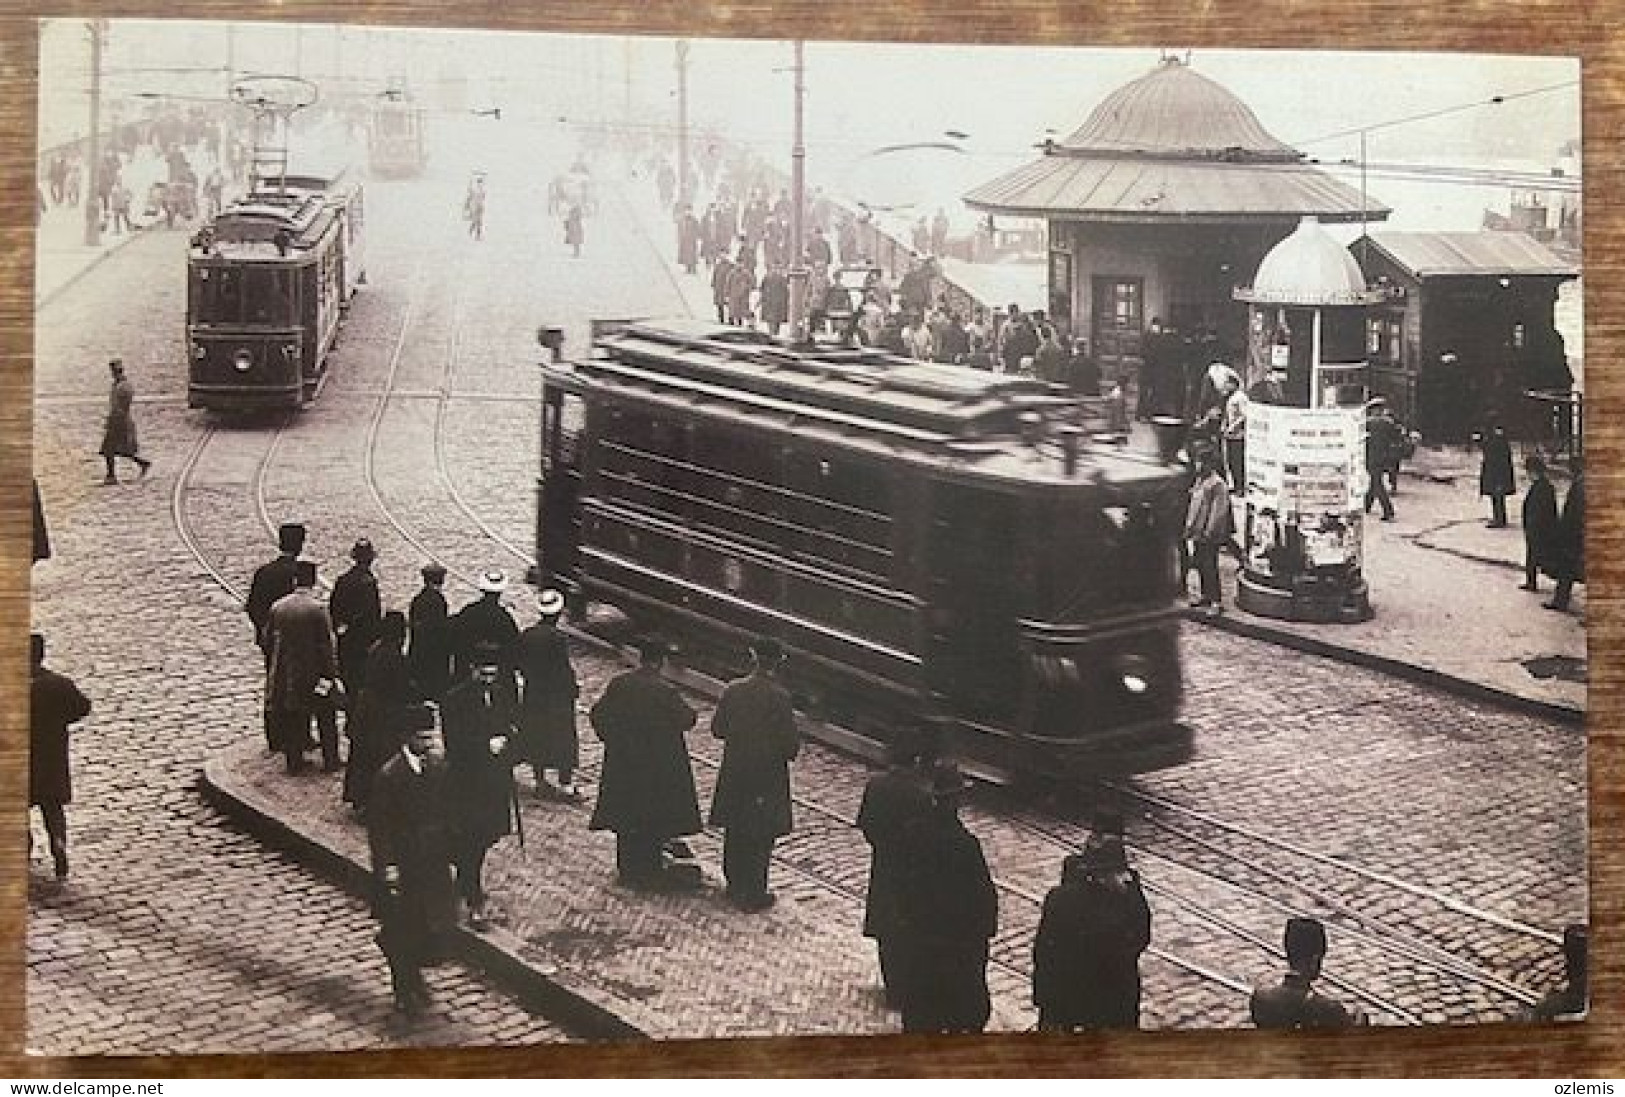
(688, 239)
(477, 720)
(55, 705)
(119, 434)
(373, 727)
(1086, 955)
(646, 791)
(357, 611)
(409, 839)
(751, 803)
(1569, 552)
(485, 623)
(429, 654)
(301, 683)
(774, 299)
(892, 801)
(950, 911)
(547, 710)
(272, 582)
(1495, 474)
(1539, 522)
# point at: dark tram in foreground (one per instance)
(268, 283)
(925, 540)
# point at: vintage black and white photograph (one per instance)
(545, 538)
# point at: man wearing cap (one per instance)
(302, 677)
(484, 622)
(751, 803)
(410, 844)
(119, 433)
(271, 582)
(547, 713)
(892, 800)
(1295, 1003)
(357, 611)
(1095, 925)
(477, 720)
(949, 913)
(55, 705)
(429, 654)
(646, 788)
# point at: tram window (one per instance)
(267, 296)
(227, 303)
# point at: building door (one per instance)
(1117, 322)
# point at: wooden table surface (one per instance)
(1594, 31)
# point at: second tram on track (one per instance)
(395, 138)
(269, 281)
(925, 540)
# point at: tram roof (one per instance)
(897, 408)
(299, 205)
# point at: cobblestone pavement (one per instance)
(440, 353)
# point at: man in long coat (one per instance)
(429, 654)
(119, 434)
(892, 801)
(410, 842)
(1495, 474)
(377, 713)
(774, 299)
(688, 239)
(547, 709)
(646, 791)
(950, 912)
(1569, 553)
(485, 623)
(477, 719)
(302, 680)
(55, 704)
(1086, 955)
(272, 582)
(356, 610)
(751, 803)
(1539, 522)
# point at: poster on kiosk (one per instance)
(1305, 482)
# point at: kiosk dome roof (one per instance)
(1308, 268)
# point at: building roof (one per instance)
(1172, 145)
(1471, 254)
(1173, 111)
(1309, 268)
(1064, 187)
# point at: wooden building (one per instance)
(1159, 205)
(1466, 331)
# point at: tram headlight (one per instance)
(243, 360)
(199, 352)
(1134, 674)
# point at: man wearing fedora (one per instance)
(302, 679)
(428, 658)
(357, 612)
(751, 803)
(547, 711)
(950, 912)
(646, 787)
(271, 583)
(484, 622)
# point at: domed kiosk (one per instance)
(1158, 204)
(1305, 445)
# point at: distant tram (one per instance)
(395, 139)
(925, 540)
(269, 282)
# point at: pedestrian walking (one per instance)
(1295, 1003)
(1495, 473)
(1209, 527)
(774, 299)
(378, 710)
(1050, 360)
(574, 231)
(474, 207)
(485, 623)
(688, 239)
(55, 704)
(1382, 441)
(356, 610)
(949, 913)
(1094, 926)
(119, 433)
(301, 683)
(721, 282)
(547, 711)
(1539, 522)
(118, 208)
(893, 800)
(1568, 563)
(646, 788)
(1569, 1000)
(740, 285)
(477, 720)
(429, 654)
(409, 840)
(751, 803)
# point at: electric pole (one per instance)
(798, 205)
(93, 145)
(684, 196)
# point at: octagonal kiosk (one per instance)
(1305, 440)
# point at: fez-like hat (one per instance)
(435, 573)
(550, 602)
(1304, 937)
(493, 581)
(768, 651)
(652, 649)
(1104, 851)
(290, 537)
(946, 778)
(363, 552)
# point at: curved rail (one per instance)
(183, 523)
